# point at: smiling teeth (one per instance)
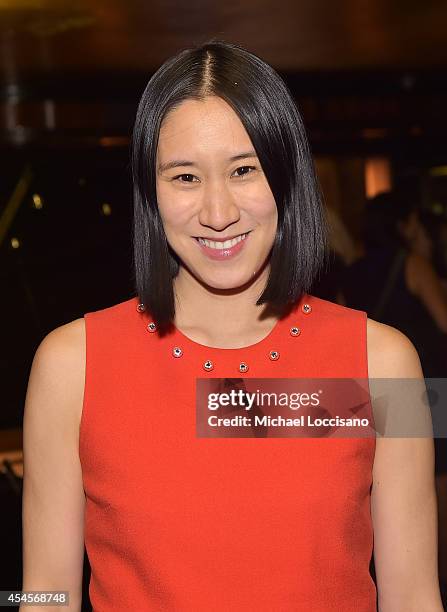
(222, 245)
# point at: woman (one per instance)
(228, 236)
(395, 281)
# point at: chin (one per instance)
(225, 279)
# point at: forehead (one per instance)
(196, 123)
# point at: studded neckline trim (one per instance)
(270, 337)
(180, 342)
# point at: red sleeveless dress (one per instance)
(181, 523)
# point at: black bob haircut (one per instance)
(269, 114)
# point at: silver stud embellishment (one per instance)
(208, 365)
(243, 367)
(274, 355)
(141, 307)
(177, 351)
(307, 308)
(295, 331)
(151, 327)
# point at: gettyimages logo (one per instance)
(320, 407)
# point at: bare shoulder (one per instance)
(390, 353)
(58, 370)
(68, 338)
(63, 349)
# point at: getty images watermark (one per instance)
(321, 407)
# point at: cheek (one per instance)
(262, 207)
(175, 209)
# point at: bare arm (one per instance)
(426, 285)
(53, 495)
(403, 497)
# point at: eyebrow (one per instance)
(175, 163)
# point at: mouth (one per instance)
(222, 244)
(222, 249)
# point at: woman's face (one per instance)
(212, 195)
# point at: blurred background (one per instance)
(370, 81)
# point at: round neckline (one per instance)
(268, 338)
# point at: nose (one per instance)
(218, 209)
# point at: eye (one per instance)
(189, 178)
(245, 168)
(176, 178)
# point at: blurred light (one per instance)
(37, 201)
(377, 176)
(106, 209)
(438, 171)
(114, 141)
(19, 195)
(374, 133)
(15, 243)
(50, 114)
(81, 182)
(437, 208)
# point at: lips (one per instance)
(222, 249)
(219, 244)
(222, 239)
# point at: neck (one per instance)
(222, 317)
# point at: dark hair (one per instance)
(268, 112)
